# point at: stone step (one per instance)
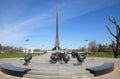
(45, 77)
(57, 77)
(51, 73)
(58, 72)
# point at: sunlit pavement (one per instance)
(115, 74)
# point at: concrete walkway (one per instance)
(42, 69)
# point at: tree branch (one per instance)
(117, 29)
(112, 20)
(110, 31)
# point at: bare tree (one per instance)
(82, 49)
(11, 49)
(100, 48)
(115, 44)
(0, 48)
(93, 47)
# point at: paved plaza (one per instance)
(42, 69)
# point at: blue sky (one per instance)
(36, 20)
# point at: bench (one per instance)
(102, 69)
(13, 70)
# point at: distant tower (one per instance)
(57, 46)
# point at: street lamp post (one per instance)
(26, 46)
(87, 46)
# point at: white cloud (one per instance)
(73, 8)
(14, 32)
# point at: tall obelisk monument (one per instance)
(57, 46)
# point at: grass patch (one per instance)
(101, 54)
(15, 55)
(21, 55)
